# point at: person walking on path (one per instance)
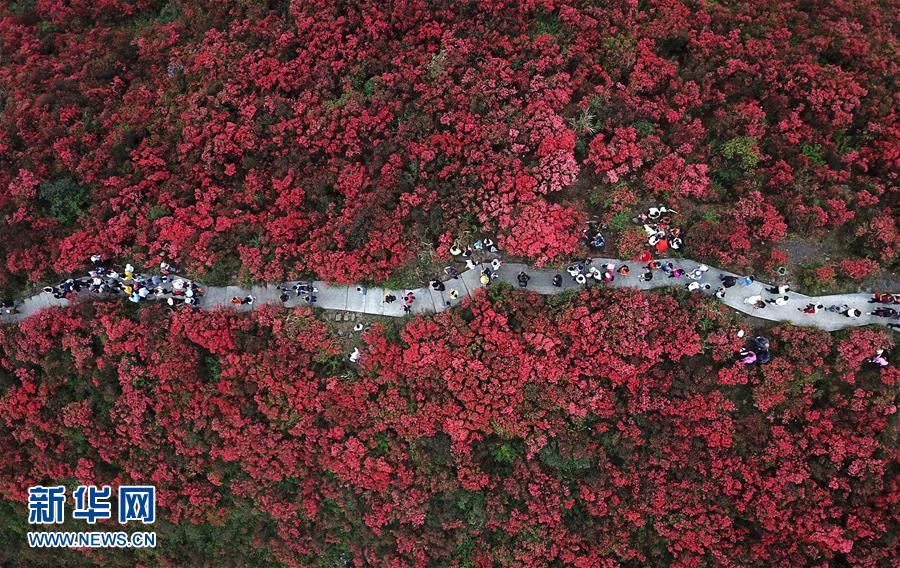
(883, 312)
(811, 308)
(523, 279)
(755, 301)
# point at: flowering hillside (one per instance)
(613, 428)
(272, 139)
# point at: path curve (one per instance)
(348, 298)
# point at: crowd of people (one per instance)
(104, 280)
(662, 234)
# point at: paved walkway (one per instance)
(347, 298)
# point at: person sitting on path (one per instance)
(884, 298)
(485, 277)
(235, 301)
(454, 294)
(780, 290)
(523, 279)
(581, 279)
(470, 264)
(852, 313)
(409, 298)
(677, 273)
(389, 298)
(557, 281)
(455, 250)
(248, 300)
(624, 270)
(779, 301)
(720, 293)
(496, 264)
(452, 272)
(647, 276)
(437, 285)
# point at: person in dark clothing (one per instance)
(523, 279)
(389, 298)
(883, 312)
(557, 280)
(727, 280)
(438, 285)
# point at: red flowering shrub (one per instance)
(859, 269)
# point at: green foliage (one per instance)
(505, 453)
(435, 67)
(65, 199)
(743, 150)
(619, 221)
(644, 127)
(813, 152)
(547, 23)
(334, 104)
(157, 212)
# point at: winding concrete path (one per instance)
(349, 299)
